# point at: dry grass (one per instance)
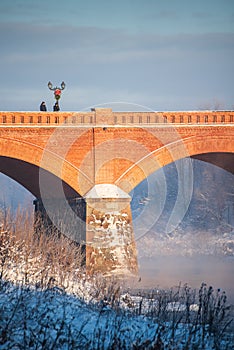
(41, 260)
(54, 263)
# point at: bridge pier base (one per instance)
(110, 244)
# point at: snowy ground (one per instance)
(51, 319)
(48, 302)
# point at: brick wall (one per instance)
(84, 152)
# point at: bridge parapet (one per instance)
(105, 116)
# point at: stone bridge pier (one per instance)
(100, 222)
(110, 244)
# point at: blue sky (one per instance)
(162, 54)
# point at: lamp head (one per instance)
(50, 85)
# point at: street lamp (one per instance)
(57, 91)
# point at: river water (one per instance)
(169, 271)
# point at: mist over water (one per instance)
(201, 247)
(169, 271)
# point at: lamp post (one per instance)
(57, 93)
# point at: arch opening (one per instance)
(224, 160)
(52, 213)
(202, 243)
(212, 192)
(27, 174)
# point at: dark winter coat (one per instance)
(56, 107)
(43, 107)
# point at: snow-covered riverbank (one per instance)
(52, 319)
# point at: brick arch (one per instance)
(28, 158)
(204, 148)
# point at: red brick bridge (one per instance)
(75, 160)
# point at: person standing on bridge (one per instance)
(56, 107)
(43, 107)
